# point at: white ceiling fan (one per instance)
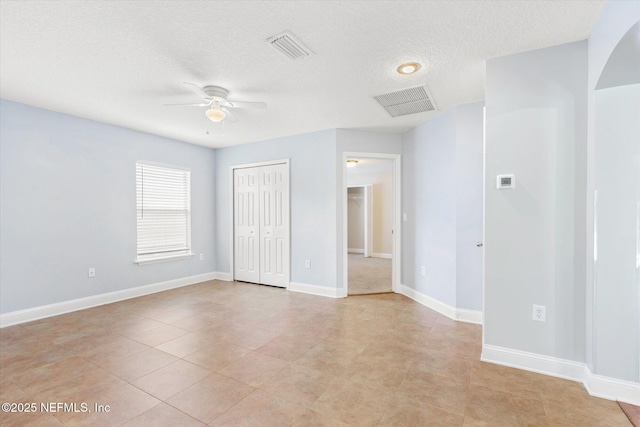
(216, 98)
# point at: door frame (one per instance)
(232, 230)
(396, 261)
(484, 208)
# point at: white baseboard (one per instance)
(547, 365)
(355, 251)
(380, 255)
(324, 291)
(41, 312)
(469, 316)
(596, 385)
(225, 277)
(611, 388)
(427, 301)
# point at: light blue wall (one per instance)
(613, 281)
(536, 126)
(68, 202)
(86, 169)
(469, 163)
(429, 200)
(442, 197)
(617, 283)
(313, 203)
(316, 196)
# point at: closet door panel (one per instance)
(274, 232)
(246, 225)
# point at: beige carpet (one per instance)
(369, 275)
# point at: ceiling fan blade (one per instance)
(229, 116)
(191, 105)
(198, 89)
(254, 105)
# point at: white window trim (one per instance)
(146, 260)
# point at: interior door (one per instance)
(274, 225)
(246, 225)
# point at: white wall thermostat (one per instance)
(505, 181)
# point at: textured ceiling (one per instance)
(118, 62)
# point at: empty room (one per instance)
(320, 213)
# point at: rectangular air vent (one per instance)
(289, 46)
(407, 101)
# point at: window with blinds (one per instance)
(163, 197)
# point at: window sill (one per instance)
(143, 261)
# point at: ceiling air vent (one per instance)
(407, 101)
(289, 46)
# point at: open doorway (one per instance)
(370, 226)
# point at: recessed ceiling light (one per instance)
(409, 68)
(351, 163)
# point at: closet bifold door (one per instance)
(274, 223)
(246, 213)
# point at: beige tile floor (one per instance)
(233, 354)
(368, 275)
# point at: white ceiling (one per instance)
(118, 62)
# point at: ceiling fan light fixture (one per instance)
(408, 68)
(351, 163)
(215, 114)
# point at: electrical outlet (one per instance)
(201, 257)
(423, 270)
(307, 263)
(91, 272)
(539, 313)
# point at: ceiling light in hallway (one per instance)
(409, 68)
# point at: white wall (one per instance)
(382, 189)
(536, 123)
(312, 191)
(316, 196)
(429, 201)
(469, 163)
(68, 202)
(355, 219)
(617, 183)
(613, 281)
(442, 197)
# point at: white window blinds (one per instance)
(163, 197)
